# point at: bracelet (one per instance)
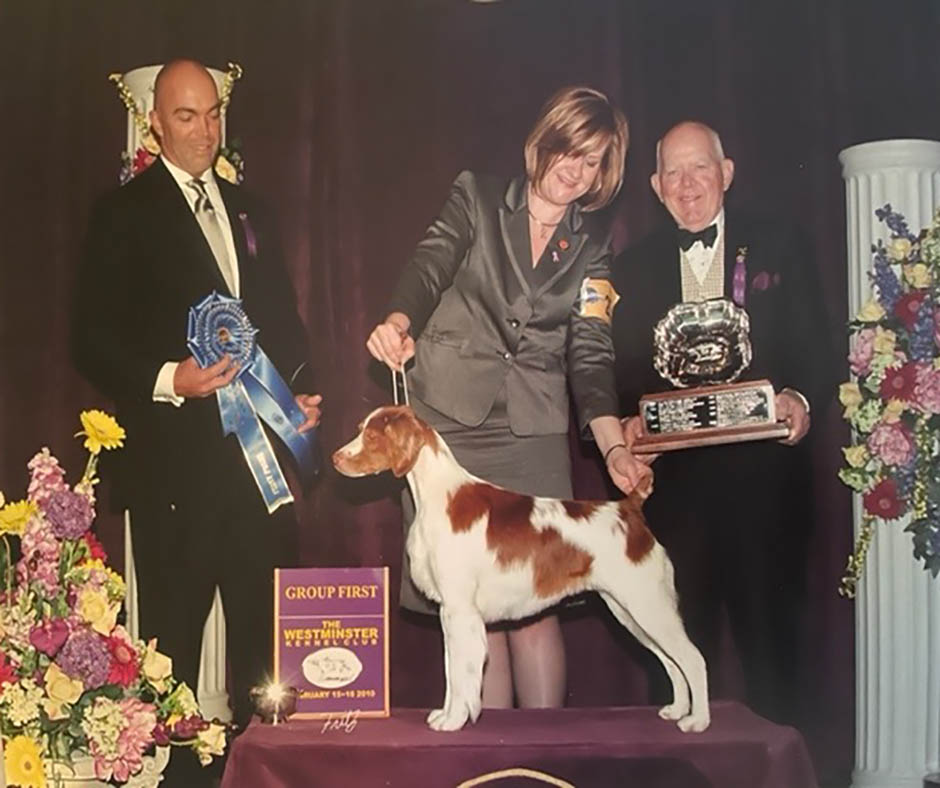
(615, 446)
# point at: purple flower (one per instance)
(49, 636)
(922, 333)
(85, 656)
(69, 514)
(895, 221)
(885, 279)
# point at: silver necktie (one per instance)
(212, 230)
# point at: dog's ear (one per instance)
(406, 437)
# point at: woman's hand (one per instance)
(628, 473)
(633, 429)
(390, 343)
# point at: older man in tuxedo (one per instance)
(156, 247)
(736, 518)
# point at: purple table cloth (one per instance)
(587, 748)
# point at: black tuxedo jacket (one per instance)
(145, 263)
(789, 335)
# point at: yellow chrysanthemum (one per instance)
(116, 586)
(101, 431)
(23, 763)
(15, 515)
(856, 456)
(871, 312)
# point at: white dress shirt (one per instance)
(163, 390)
(698, 257)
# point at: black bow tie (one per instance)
(706, 236)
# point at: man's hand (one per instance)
(190, 380)
(633, 429)
(310, 405)
(792, 410)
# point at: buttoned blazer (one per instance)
(480, 325)
(145, 263)
(789, 335)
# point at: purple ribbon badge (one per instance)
(250, 238)
(739, 280)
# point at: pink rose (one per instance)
(927, 388)
(892, 443)
(860, 355)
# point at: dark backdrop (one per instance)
(354, 117)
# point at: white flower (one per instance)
(22, 701)
(102, 723)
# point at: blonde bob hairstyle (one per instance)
(574, 121)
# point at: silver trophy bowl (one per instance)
(702, 343)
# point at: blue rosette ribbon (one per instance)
(216, 326)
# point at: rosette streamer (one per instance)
(218, 325)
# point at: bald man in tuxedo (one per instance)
(198, 520)
(735, 519)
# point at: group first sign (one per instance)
(331, 639)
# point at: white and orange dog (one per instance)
(487, 554)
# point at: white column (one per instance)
(897, 610)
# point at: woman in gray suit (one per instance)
(504, 304)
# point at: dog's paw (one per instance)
(674, 711)
(474, 708)
(447, 719)
(694, 723)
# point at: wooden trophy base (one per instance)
(708, 416)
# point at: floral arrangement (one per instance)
(893, 405)
(229, 164)
(73, 683)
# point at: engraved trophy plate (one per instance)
(705, 345)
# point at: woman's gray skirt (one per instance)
(531, 464)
